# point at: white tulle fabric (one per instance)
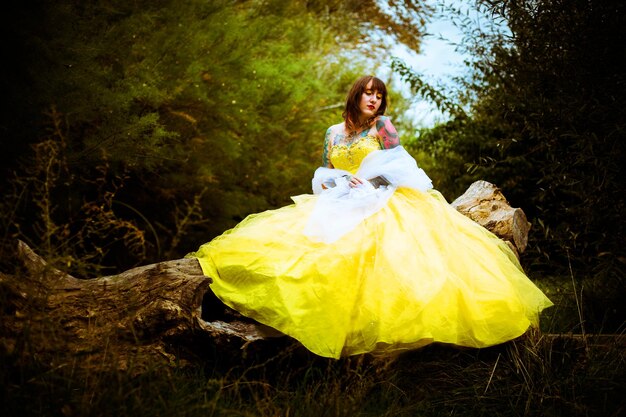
(341, 208)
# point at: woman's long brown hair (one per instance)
(352, 111)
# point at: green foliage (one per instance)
(179, 118)
(546, 123)
(442, 150)
(206, 111)
(209, 111)
(426, 91)
(559, 92)
(72, 231)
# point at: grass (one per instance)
(535, 375)
(531, 376)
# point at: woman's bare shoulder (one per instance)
(338, 128)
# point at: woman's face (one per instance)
(370, 102)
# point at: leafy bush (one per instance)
(545, 121)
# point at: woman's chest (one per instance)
(348, 155)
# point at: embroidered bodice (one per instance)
(349, 156)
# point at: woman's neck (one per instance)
(358, 125)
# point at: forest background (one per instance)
(133, 132)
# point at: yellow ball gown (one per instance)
(414, 272)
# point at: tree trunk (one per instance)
(485, 204)
(160, 313)
(139, 317)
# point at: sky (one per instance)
(438, 62)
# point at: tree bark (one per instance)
(484, 203)
(121, 317)
(162, 313)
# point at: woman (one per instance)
(374, 261)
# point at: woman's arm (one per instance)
(388, 137)
(387, 133)
(328, 144)
(326, 157)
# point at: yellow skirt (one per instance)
(415, 272)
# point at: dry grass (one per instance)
(532, 376)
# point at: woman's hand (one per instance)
(353, 181)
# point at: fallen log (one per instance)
(484, 203)
(159, 313)
(109, 319)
